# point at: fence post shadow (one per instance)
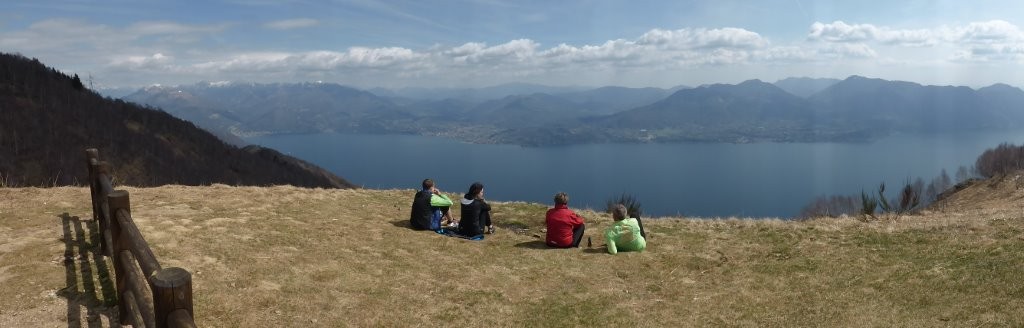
(84, 265)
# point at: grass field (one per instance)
(285, 256)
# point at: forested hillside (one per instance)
(48, 118)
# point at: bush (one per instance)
(830, 206)
(1004, 158)
(868, 205)
(633, 206)
(910, 198)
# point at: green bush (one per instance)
(633, 206)
(867, 205)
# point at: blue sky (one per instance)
(368, 43)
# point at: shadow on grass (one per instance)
(402, 224)
(596, 250)
(534, 244)
(84, 265)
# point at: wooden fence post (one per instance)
(102, 171)
(172, 291)
(118, 200)
(90, 155)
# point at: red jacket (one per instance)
(560, 221)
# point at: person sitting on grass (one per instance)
(625, 234)
(476, 213)
(565, 227)
(429, 208)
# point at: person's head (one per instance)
(561, 199)
(428, 184)
(619, 212)
(476, 190)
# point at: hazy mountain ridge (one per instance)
(49, 118)
(805, 86)
(853, 109)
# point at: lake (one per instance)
(705, 180)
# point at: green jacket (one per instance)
(625, 236)
(440, 201)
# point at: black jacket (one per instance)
(476, 214)
(421, 210)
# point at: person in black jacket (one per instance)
(423, 208)
(476, 213)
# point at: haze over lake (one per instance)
(692, 179)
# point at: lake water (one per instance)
(706, 180)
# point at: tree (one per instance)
(77, 83)
(963, 174)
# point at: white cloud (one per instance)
(155, 61)
(356, 57)
(839, 31)
(664, 49)
(849, 50)
(289, 24)
(703, 38)
(996, 31)
(987, 41)
(161, 50)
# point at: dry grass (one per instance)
(287, 256)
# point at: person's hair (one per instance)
(474, 190)
(619, 212)
(427, 183)
(561, 198)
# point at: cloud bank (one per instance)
(180, 52)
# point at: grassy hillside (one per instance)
(48, 118)
(286, 256)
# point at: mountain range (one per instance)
(789, 110)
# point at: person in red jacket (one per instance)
(565, 227)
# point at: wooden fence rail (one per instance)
(148, 295)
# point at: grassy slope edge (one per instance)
(287, 256)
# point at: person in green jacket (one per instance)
(441, 202)
(624, 235)
(430, 208)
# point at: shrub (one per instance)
(633, 206)
(868, 204)
(830, 206)
(910, 198)
(1003, 159)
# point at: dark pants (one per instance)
(641, 224)
(577, 235)
(444, 210)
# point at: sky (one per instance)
(472, 43)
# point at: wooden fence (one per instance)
(147, 294)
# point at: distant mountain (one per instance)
(526, 110)
(116, 92)
(794, 109)
(752, 109)
(473, 94)
(805, 86)
(239, 109)
(1005, 100)
(907, 106)
(609, 100)
(246, 108)
(49, 118)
